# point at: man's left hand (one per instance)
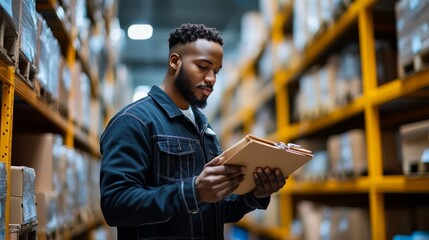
(267, 182)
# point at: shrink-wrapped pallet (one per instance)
(48, 59)
(22, 201)
(28, 29)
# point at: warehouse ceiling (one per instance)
(146, 59)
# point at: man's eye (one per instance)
(202, 67)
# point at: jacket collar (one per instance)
(164, 101)
(171, 109)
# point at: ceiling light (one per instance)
(140, 31)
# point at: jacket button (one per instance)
(179, 148)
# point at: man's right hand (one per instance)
(217, 181)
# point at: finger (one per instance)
(227, 170)
(219, 160)
(215, 161)
(273, 183)
(259, 188)
(231, 169)
(261, 180)
(229, 185)
(257, 179)
(216, 179)
(281, 180)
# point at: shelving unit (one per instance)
(36, 114)
(375, 186)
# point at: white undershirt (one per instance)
(190, 115)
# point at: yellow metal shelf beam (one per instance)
(296, 130)
(30, 96)
(7, 77)
(399, 87)
(360, 185)
(386, 184)
(376, 96)
(402, 184)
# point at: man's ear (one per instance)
(174, 61)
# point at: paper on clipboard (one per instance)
(254, 152)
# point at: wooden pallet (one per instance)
(45, 95)
(416, 169)
(63, 110)
(8, 41)
(415, 64)
(26, 70)
(23, 232)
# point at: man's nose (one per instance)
(211, 77)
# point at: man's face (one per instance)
(185, 87)
(196, 76)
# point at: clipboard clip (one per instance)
(283, 145)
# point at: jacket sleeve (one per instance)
(236, 206)
(126, 198)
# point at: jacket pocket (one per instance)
(176, 159)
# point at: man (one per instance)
(160, 174)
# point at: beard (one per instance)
(183, 84)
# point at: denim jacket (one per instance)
(152, 154)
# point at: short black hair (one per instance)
(188, 33)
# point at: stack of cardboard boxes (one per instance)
(412, 27)
(65, 181)
(22, 196)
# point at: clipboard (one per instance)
(253, 152)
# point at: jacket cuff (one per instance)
(189, 196)
(254, 202)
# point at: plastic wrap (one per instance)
(47, 209)
(43, 53)
(68, 199)
(410, 13)
(49, 54)
(28, 196)
(29, 29)
(7, 6)
(11, 8)
(23, 190)
(82, 166)
(81, 14)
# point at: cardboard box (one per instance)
(47, 211)
(347, 153)
(310, 215)
(37, 151)
(22, 211)
(22, 181)
(414, 140)
(349, 223)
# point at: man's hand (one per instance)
(217, 181)
(267, 182)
